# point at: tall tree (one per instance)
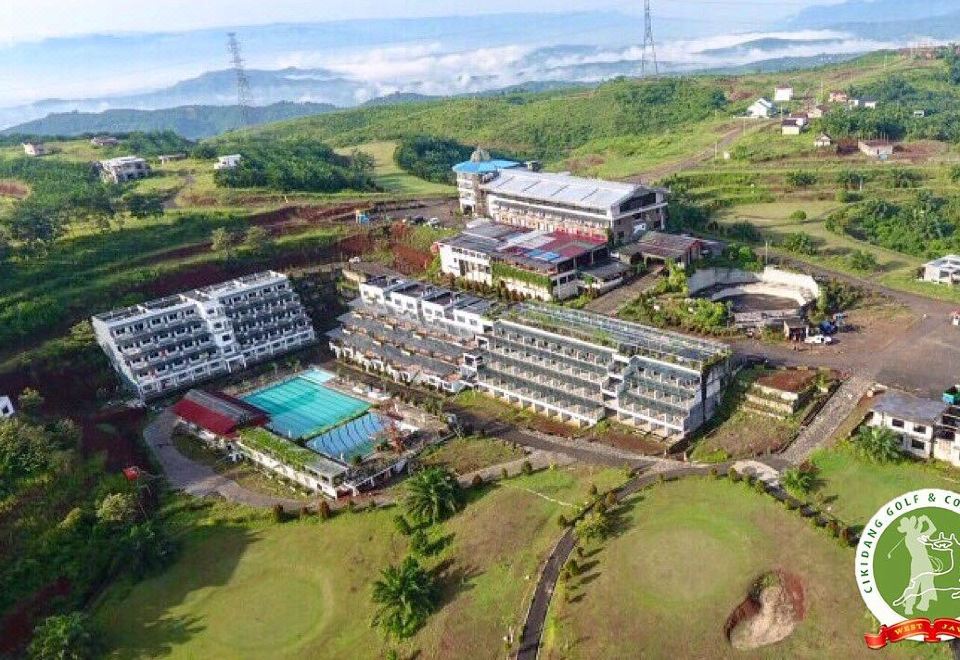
(432, 495)
(406, 595)
(879, 444)
(64, 637)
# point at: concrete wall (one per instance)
(771, 281)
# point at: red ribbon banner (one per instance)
(930, 630)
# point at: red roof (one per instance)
(218, 413)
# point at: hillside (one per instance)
(191, 121)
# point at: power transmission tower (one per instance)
(648, 42)
(243, 82)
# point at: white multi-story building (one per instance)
(124, 168)
(581, 367)
(414, 332)
(533, 263)
(761, 109)
(919, 423)
(574, 205)
(475, 172)
(945, 270)
(171, 343)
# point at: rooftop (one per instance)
(593, 194)
(217, 412)
(909, 407)
(485, 167)
(946, 261)
(630, 338)
(662, 245)
(525, 247)
(121, 160)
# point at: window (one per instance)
(918, 444)
(896, 423)
(919, 428)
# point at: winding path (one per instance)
(532, 633)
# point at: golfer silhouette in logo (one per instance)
(921, 590)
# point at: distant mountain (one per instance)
(777, 64)
(871, 11)
(945, 28)
(398, 97)
(191, 121)
(769, 44)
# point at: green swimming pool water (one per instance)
(302, 406)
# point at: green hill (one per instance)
(191, 121)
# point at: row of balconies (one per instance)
(574, 370)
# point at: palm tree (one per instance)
(432, 495)
(406, 595)
(798, 482)
(879, 444)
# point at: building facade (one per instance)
(761, 109)
(574, 205)
(918, 423)
(416, 333)
(945, 270)
(124, 168)
(480, 169)
(227, 162)
(580, 368)
(171, 343)
(531, 263)
(6, 407)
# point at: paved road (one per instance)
(613, 301)
(197, 479)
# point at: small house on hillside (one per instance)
(823, 140)
(761, 109)
(170, 158)
(839, 97)
(104, 141)
(817, 111)
(913, 419)
(227, 162)
(945, 270)
(782, 94)
(6, 407)
(882, 149)
(791, 126)
(35, 149)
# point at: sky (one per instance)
(30, 20)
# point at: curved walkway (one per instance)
(196, 479)
(532, 633)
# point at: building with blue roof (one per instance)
(480, 169)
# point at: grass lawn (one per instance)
(391, 178)
(685, 558)
(245, 587)
(855, 488)
(464, 455)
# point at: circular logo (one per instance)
(908, 559)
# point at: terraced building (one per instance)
(581, 368)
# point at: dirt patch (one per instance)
(770, 612)
(632, 442)
(13, 189)
(788, 380)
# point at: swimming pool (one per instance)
(303, 406)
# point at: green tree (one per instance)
(595, 526)
(801, 178)
(30, 402)
(405, 596)
(223, 242)
(64, 637)
(862, 261)
(799, 243)
(432, 495)
(258, 240)
(799, 482)
(144, 206)
(879, 444)
(117, 509)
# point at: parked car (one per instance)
(818, 339)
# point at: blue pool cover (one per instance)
(355, 438)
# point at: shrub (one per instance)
(477, 481)
(526, 468)
(799, 215)
(419, 542)
(64, 637)
(573, 566)
(279, 515)
(402, 525)
(592, 491)
(562, 520)
(610, 499)
(714, 474)
(504, 474)
(733, 475)
(801, 178)
(594, 526)
(862, 261)
(304, 512)
(760, 486)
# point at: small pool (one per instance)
(303, 406)
(357, 437)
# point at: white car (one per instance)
(818, 339)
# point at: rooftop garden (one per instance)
(288, 453)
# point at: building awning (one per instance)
(218, 413)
